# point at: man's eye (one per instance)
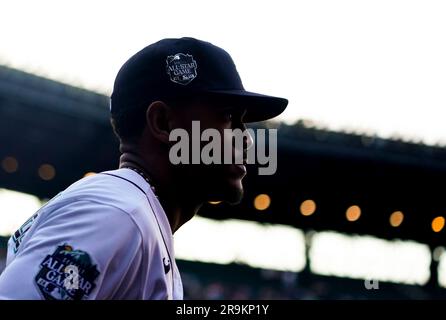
(228, 115)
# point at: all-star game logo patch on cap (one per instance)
(172, 68)
(182, 68)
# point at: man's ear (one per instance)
(159, 118)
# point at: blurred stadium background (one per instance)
(342, 209)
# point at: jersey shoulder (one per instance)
(108, 189)
(119, 189)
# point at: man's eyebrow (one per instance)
(239, 110)
(225, 107)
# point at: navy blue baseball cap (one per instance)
(174, 68)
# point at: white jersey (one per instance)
(104, 237)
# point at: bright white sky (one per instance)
(373, 66)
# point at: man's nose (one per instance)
(247, 139)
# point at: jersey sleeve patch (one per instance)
(66, 274)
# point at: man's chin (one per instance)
(233, 193)
(230, 191)
(235, 197)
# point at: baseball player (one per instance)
(110, 235)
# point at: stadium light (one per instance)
(308, 207)
(89, 174)
(438, 224)
(262, 202)
(353, 213)
(10, 164)
(396, 219)
(47, 172)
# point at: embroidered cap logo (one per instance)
(181, 68)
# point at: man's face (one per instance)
(212, 182)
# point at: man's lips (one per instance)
(241, 169)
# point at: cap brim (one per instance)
(259, 107)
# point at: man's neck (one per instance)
(178, 208)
